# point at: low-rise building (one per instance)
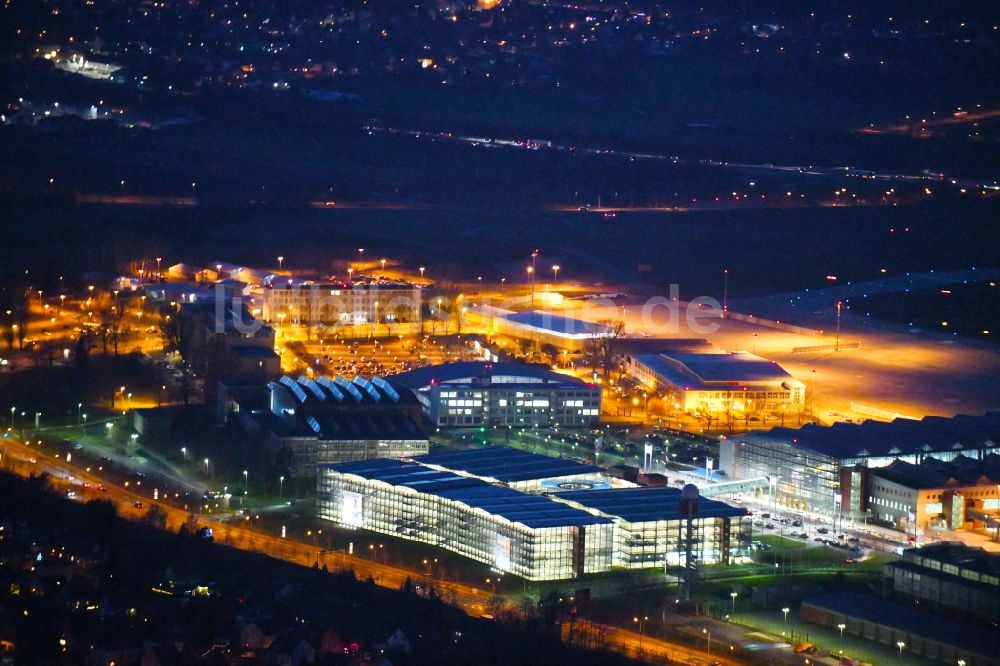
(473, 393)
(316, 422)
(339, 303)
(949, 495)
(820, 468)
(719, 383)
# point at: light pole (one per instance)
(708, 647)
(246, 483)
(641, 621)
(422, 269)
(84, 425)
(841, 626)
(785, 611)
(383, 266)
(836, 345)
(725, 292)
(555, 273)
(208, 466)
(733, 595)
(900, 645)
(158, 260)
(281, 260)
(534, 256)
(281, 487)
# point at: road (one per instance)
(17, 457)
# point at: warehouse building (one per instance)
(720, 383)
(491, 505)
(473, 393)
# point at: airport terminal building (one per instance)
(473, 393)
(537, 517)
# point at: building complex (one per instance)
(537, 517)
(851, 469)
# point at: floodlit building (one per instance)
(493, 505)
(538, 326)
(473, 393)
(721, 383)
(313, 304)
(317, 422)
(820, 468)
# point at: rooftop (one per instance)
(506, 465)
(533, 511)
(465, 372)
(643, 504)
(338, 390)
(344, 426)
(705, 370)
(934, 473)
(934, 626)
(896, 438)
(957, 553)
(558, 324)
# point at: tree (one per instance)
(602, 349)
(170, 328)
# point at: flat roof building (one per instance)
(474, 393)
(816, 468)
(950, 577)
(920, 632)
(539, 326)
(719, 384)
(339, 303)
(510, 509)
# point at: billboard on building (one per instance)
(502, 553)
(351, 512)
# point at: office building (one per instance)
(476, 393)
(946, 495)
(339, 303)
(819, 468)
(537, 517)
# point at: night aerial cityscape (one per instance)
(502, 332)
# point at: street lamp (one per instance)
(642, 628)
(281, 487)
(733, 595)
(383, 265)
(246, 482)
(531, 272)
(708, 635)
(555, 273)
(785, 611)
(280, 261)
(422, 272)
(900, 645)
(841, 626)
